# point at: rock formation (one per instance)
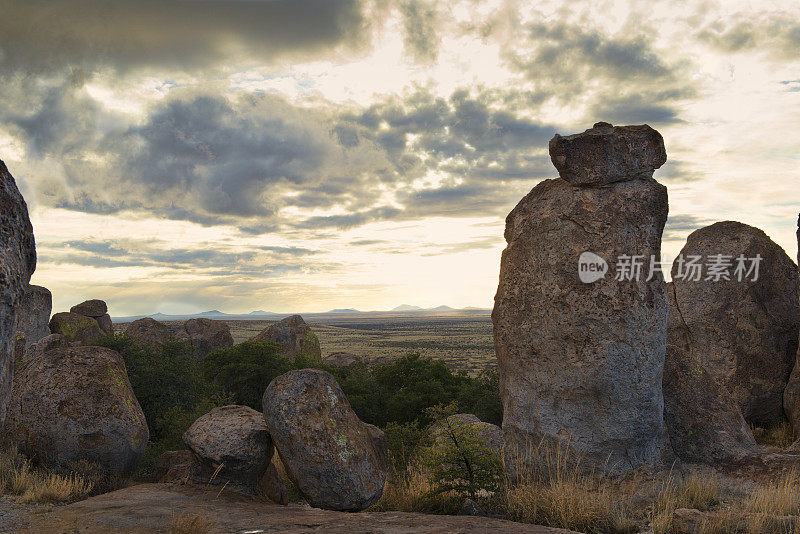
(704, 422)
(77, 329)
(35, 317)
(341, 359)
(73, 404)
(149, 333)
(205, 335)
(743, 331)
(97, 310)
(17, 263)
(233, 443)
(294, 336)
(791, 395)
(581, 363)
(327, 451)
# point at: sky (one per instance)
(182, 156)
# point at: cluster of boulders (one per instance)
(204, 335)
(622, 371)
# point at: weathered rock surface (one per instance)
(205, 335)
(105, 324)
(488, 434)
(149, 333)
(53, 341)
(17, 263)
(605, 154)
(78, 329)
(341, 359)
(704, 422)
(74, 404)
(327, 451)
(272, 485)
(745, 332)
(791, 395)
(581, 363)
(294, 336)
(233, 439)
(152, 507)
(381, 444)
(37, 304)
(90, 308)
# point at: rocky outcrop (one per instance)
(48, 343)
(97, 310)
(73, 404)
(294, 337)
(327, 451)
(149, 333)
(233, 443)
(17, 263)
(341, 359)
(581, 363)
(77, 329)
(205, 335)
(791, 395)
(704, 422)
(37, 304)
(743, 331)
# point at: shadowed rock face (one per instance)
(704, 422)
(97, 310)
(36, 307)
(294, 336)
(17, 263)
(327, 451)
(744, 333)
(791, 395)
(72, 404)
(606, 154)
(235, 438)
(581, 363)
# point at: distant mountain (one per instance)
(159, 314)
(212, 313)
(344, 310)
(442, 308)
(406, 307)
(260, 312)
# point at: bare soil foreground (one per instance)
(155, 508)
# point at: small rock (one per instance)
(205, 335)
(90, 308)
(327, 451)
(233, 442)
(78, 329)
(73, 404)
(341, 359)
(294, 336)
(605, 154)
(470, 508)
(175, 466)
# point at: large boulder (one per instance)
(791, 395)
(704, 422)
(78, 329)
(73, 404)
(149, 333)
(233, 442)
(743, 330)
(97, 310)
(205, 335)
(294, 337)
(581, 362)
(327, 451)
(37, 304)
(17, 263)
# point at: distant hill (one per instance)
(344, 310)
(260, 312)
(212, 313)
(407, 307)
(442, 308)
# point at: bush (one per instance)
(459, 462)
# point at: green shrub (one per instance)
(459, 462)
(404, 441)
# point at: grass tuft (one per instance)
(196, 523)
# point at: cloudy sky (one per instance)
(179, 156)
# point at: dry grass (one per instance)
(196, 523)
(782, 497)
(780, 436)
(35, 486)
(695, 491)
(405, 492)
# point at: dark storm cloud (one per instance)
(679, 226)
(48, 35)
(636, 109)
